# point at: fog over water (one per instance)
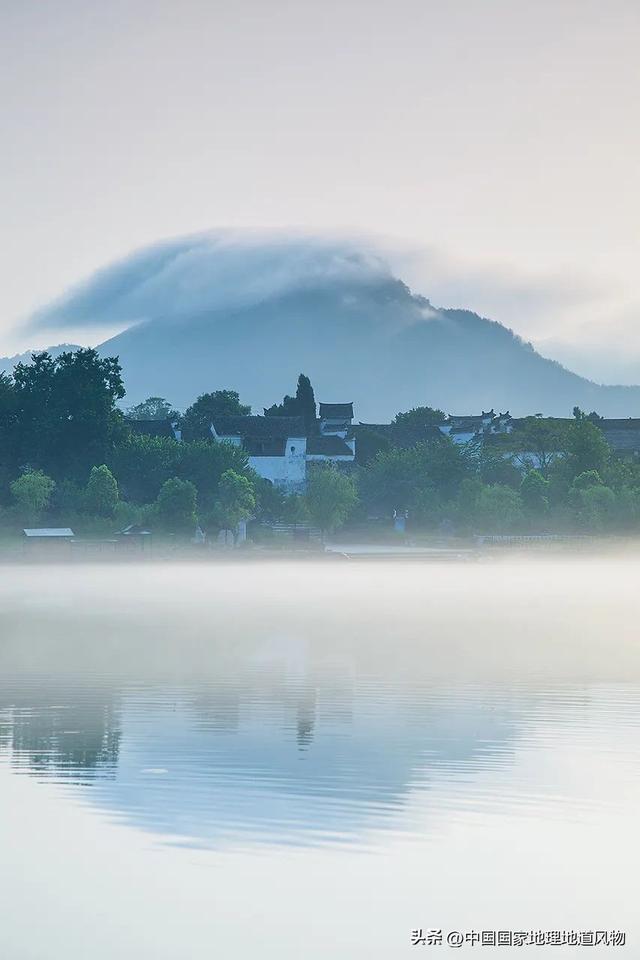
(315, 758)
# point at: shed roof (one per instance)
(48, 532)
(336, 411)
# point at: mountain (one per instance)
(381, 347)
(223, 310)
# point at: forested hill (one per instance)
(379, 346)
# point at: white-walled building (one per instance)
(279, 448)
(335, 419)
(476, 427)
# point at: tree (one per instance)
(8, 419)
(236, 499)
(466, 506)
(499, 509)
(586, 448)
(302, 405)
(400, 478)
(597, 507)
(197, 419)
(205, 463)
(142, 464)
(330, 497)
(419, 417)
(67, 417)
(176, 505)
(306, 403)
(534, 491)
(101, 492)
(369, 444)
(32, 493)
(537, 443)
(153, 408)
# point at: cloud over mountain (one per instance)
(250, 311)
(226, 269)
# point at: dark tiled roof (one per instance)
(623, 423)
(465, 428)
(259, 428)
(472, 422)
(150, 428)
(402, 437)
(336, 411)
(622, 438)
(265, 447)
(328, 447)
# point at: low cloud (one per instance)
(207, 272)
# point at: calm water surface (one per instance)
(315, 760)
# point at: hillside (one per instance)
(250, 313)
(381, 347)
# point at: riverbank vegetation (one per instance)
(69, 457)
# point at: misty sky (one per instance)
(492, 145)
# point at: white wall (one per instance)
(288, 472)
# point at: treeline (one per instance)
(548, 475)
(68, 456)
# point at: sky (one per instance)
(490, 146)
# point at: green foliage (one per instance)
(197, 419)
(369, 444)
(153, 408)
(67, 501)
(466, 506)
(597, 507)
(330, 497)
(101, 492)
(494, 466)
(236, 499)
(176, 505)
(401, 478)
(302, 405)
(417, 418)
(66, 418)
(538, 442)
(590, 478)
(498, 510)
(295, 509)
(586, 448)
(270, 500)
(32, 494)
(142, 464)
(534, 491)
(306, 402)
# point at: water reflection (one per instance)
(215, 724)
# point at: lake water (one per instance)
(317, 760)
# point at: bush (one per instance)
(32, 494)
(499, 509)
(176, 505)
(330, 497)
(101, 492)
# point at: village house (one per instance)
(280, 448)
(476, 427)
